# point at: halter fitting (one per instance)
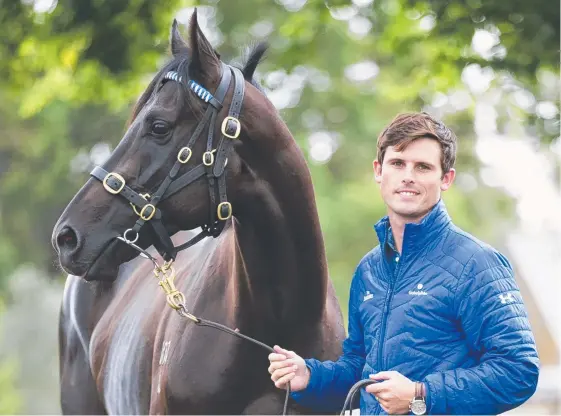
(213, 163)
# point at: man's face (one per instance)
(411, 181)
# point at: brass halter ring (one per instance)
(128, 240)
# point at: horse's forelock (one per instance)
(178, 64)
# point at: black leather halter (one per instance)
(213, 166)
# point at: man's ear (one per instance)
(377, 166)
(204, 63)
(447, 180)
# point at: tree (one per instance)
(337, 70)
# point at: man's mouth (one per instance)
(407, 193)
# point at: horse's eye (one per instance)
(160, 128)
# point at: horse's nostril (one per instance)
(67, 239)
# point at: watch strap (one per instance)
(420, 395)
(420, 390)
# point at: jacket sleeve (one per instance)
(330, 381)
(492, 316)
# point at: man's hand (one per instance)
(394, 391)
(288, 366)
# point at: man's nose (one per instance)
(408, 175)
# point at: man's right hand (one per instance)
(288, 366)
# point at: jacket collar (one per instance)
(419, 235)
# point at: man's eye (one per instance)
(160, 128)
(396, 163)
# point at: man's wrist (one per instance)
(307, 375)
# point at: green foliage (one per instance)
(10, 398)
(10, 401)
(70, 76)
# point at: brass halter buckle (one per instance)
(142, 212)
(110, 189)
(184, 155)
(224, 211)
(208, 158)
(225, 126)
(151, 212)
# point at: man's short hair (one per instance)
(408, 127)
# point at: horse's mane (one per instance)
(180, 64)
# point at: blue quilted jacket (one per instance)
(447, 312)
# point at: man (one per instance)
(435, 315)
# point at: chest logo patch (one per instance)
(419, 291)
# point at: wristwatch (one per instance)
(418, 405)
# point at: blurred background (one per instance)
(338, 71)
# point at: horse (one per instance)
(258, 265)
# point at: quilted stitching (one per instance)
(475, 352)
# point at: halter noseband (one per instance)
(213, 166)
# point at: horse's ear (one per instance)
(204, 61)
(178, 45)
(255, 57)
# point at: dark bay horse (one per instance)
(200, 129)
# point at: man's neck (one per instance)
(397, 223)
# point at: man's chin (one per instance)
(410, 213)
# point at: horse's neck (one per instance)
(281, 244)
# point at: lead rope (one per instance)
(351, 395)
(176, 300)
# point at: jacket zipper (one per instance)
(387, 303)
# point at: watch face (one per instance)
(418, 407)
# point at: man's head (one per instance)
(415, 163)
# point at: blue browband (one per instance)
(174, 76)
(201, 92)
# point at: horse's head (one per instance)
(171, 169)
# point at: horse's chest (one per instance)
(203, 373)
(121, 358)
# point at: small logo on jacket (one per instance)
(506, 298)
(419, 291)
(368, 296)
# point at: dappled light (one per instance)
(362, 71)
(337, 71)
(322, 146)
